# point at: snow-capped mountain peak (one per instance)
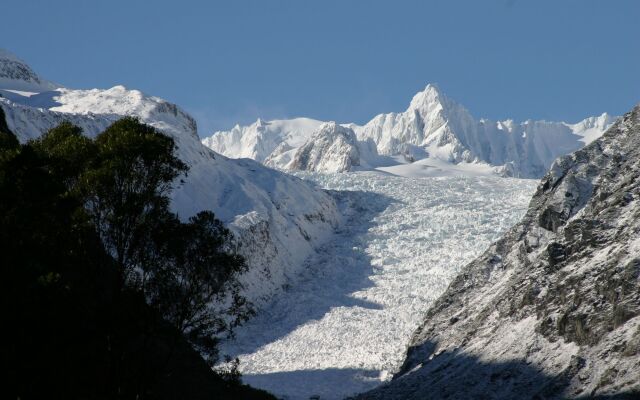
(17, 75)
(434, 131)
(432, 103)
(332, 148)
(428, 99)
(260, 139)
(591, 128)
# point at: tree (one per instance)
(181, 268)
(7, 139)
(56, 280)
(68, 153)
(102, 284)
(128, 186)
(193, 271)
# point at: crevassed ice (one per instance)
(342, 326)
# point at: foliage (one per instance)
(128, 186)
(103, 286)
(190, 270)
(7, 138)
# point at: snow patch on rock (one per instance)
(332, 148)
(18, 75)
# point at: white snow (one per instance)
(433, 128)
(433, 167)
(258, 140)
(332, 148)
(343, 325)
(278, 219)
(592, 128)
(17, 75)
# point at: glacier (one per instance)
(343, 266)
(344, 323)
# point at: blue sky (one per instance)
(348, 60)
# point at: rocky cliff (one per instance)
(552, 310)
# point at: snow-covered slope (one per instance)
(259, 140)
(551, 310)
(332, 148)
(278, 219)
(434, 129)
(15, 74)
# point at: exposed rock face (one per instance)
(332, 148)
(552, 310)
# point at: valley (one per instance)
(343, 325)
(383, 260)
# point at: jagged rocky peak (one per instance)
(551, 310)
(603, 120)
(429, 96)
(15, 74)
(431, 100)
(332, 148)
(590, 128)
(436, 128)
(431, 119)
(434, 107)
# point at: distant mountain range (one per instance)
(434, 136)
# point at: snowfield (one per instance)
(342, 327)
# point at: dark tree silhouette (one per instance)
(105, 292)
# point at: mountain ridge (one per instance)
(18, 74)
(278, 220)
(433, 127)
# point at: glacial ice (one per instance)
(343, 325)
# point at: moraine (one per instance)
(343, 326)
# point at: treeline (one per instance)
(105, 292)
